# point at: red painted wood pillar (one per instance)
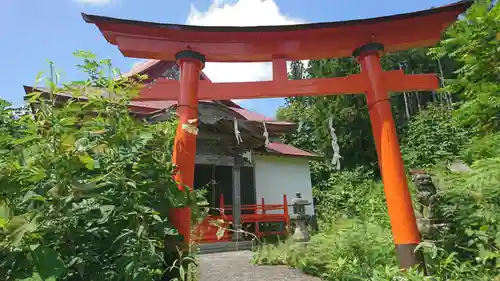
(190, 63)
(404, 227)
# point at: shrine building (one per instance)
(240, 160)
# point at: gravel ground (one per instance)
(236, 266)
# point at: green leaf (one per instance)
(146, 136)
(25, 139)
(129, 268)
(81, 144)
(84, 186)
(54, 191)
(106, 211)
(18, 226)
(140, 231)
(68, 142)
(131, 184)
(97, 164)
(34, 277)
(48, 263)
(220, 233)
(182, 272)
(484, 228)
(123, 235)
(3, 223)
(5, 214)
(158, 218)
(87, 161)
(32, 196)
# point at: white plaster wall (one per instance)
(275, 176)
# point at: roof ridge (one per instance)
(141, 67)
(288, 149)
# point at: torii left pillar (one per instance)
(190, 64)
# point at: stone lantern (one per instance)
(299, 217)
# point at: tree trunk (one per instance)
(417, 94)
(407, 110)
(447, 96)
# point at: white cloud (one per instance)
(240, 13)
(94, 2)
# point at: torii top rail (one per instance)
(277, 44)
(365, 39)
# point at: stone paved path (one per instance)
(236, 266)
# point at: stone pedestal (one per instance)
(301, 232)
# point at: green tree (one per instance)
(350, 113)
(297, 70)
(474, 43)
(350, 118)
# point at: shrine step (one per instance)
(220, 247)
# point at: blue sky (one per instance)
(33, 31)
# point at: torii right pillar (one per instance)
(403, 222)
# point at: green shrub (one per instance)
(470, 205)
(280, 253)
(481, 148)
(351, 194)
(349, 250)
(85, 187)
(361, 247)
(432, 137)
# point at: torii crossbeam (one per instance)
(192, 46)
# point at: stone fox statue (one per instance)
(426, 192)
(427, 198)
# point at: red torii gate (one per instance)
(192, 46)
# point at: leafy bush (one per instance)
(355, 240)
(280, 253)
(349, 250)
(86, 187)
(360, 248)
(432, 137)
(470, 206)
(481, 148)
(350, 194)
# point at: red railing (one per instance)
(259, 214)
